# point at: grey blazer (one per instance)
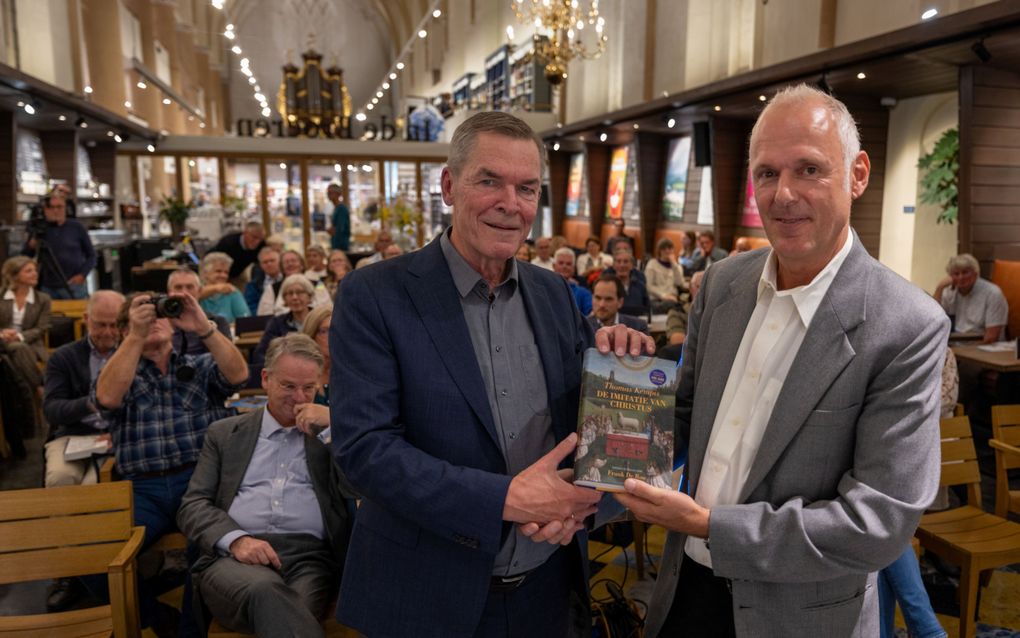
(34, 325)
(849, 459)
(228, 448)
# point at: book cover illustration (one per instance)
(625, 421)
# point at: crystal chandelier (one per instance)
(560, 26)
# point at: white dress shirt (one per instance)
(18, 316)
(770, 343)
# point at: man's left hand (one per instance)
(193, 318)
(77, 280)
(673, 510)
(623, 340)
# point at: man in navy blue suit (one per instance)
(453, 402)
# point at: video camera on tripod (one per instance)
(36, 226)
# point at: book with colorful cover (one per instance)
(625, 421)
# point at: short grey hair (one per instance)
(100, 295)
(565, 251)
(296, 344)
(298, 280)
(495, 122)
(183, 271)
(215, 258)
(964, 261)
(254, 225)
(846, 127)
(268, 249)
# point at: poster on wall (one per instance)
(706, 208)
(676, 179)
(617, 183)
(750, 217)
(574, 184)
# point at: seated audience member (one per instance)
(687, 247)
(524, 252)
(218, 296)
(292, 263)
(563, 264)
(260, 293)
(266, 506)
(619, 237)
(664, 277)
(543, 253)
(742, 245)
(557, 242)
(316, 257)
(70, 372)
(159, 404)
(607, 299)
(316, 326)
(243, 248)
(296, 292)
(633, 280)
(336, 269)
(393, 250)
(676, 318)
(974, 304)
(184, 281)
(707, 253)
(24, 320)
(593, 259)
(382, 241)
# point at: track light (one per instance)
(979, 50)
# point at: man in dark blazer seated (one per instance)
(809, 404)
(607, 300)
(267, 508)
(454, 390)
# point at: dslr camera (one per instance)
(167, 307)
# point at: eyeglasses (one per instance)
(292, 293)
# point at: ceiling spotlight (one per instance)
(386, 85)
(393, 76)
(164, 132)
(979, 50)
(29, 109)
(762, 98)
(191, 118)
(109, 134)
(400, 66)
(127, 104)
(81, 123)
(21, 103)
(230, 27)
(861, 75)
(352, 167)
(252, 81)
(228, 35)
(201, 125)
(166, 101)
(929, 14)
(259, 97)
(150, 148)
(717, 108)
(437, 13)
(423, 34)
(636, 126)
(283, 166)
(236, 49)
(370, 106)
(603, 137)
(191, 163)
(361, 117)
(87, 90)
(375, 100)
(580, 137)
(367, 168)
(117, 138)
(266, 112)
(246, 71)
(142, 85)
(62, 118)
(337, 168)
(245, 62)
(509, 32)
(258, 89)
(671, 122)
(556, 146)
(378, 93)
(217, 4)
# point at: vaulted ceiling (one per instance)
(360, 36)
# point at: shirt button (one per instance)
(502, 393)
(736, 422)
(276, 503)
(773, 327)
(499, 348)
(513, 436)
(716, 467)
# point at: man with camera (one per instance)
(65, 252)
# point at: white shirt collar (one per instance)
(270, 425)
(805, 298)
(29, 299)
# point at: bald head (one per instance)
(101, 319)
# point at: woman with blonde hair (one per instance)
(313, 417)
(337, 267)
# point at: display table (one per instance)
(1001, 361)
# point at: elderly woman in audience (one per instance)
(316, 258)
(292, 263)
(593, 260)
(218, 296)
(24, 319)
(314, 417)
(336, 269)
(296, 292)
(664, 277)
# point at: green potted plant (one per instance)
(940, 176)
(176, 213)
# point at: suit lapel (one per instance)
(434, 295)
(239, 447)
(724, 330)
(824, 354)
(539, 306)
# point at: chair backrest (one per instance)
(57, 532)
(1006, 275)
(959, 458)
(69, 307)
(1006, 428)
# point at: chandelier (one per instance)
(560, 26)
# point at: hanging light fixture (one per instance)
(559, 31)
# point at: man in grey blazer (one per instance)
(809, 402)
(267, 508)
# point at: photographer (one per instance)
(159, 404)
(66, 252)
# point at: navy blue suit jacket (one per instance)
(414, 434)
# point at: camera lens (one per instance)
(169, 307)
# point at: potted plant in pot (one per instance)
(940, 171)
(176, 213)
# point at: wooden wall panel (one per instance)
(652, 152)
(8, 169)
(596, 165)
(873, 122)
(60, 149)
(729, 163)
(559, 171)
(989, 161)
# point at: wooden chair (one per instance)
(166, 542)
(1006, 443)
(73, 308)
(59, 532)
(967, 536)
